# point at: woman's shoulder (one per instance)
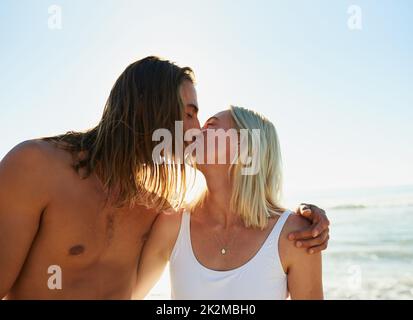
(295, 222)
(165, 230)
(169, 220)
(289, 252)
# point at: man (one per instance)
(75, 209)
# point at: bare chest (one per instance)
(79, 229)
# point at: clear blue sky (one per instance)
(341, 100)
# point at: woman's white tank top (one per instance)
(262, 277)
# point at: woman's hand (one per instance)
(315, 238)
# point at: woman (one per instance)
(232, 243)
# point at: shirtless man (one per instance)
(81, 203)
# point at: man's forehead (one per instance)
(187, 87)
(188, 95)
(193, 106)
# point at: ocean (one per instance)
(370, 252)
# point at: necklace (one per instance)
(224, 248)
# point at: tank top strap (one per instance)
(277, 229)
(183, 240)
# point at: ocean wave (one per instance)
(368, 206)
(348, 206)
(404, 255)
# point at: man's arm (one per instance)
(315, 236)
(156, 252)
(23, 197)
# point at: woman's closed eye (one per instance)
(208, 125)
(211, 123)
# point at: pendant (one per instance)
(223, 251)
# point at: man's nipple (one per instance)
(76, 250)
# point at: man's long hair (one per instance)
(119, 149)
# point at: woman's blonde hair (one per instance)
(256, 197)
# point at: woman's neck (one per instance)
(217, 201)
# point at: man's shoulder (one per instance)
(34, 156)
(32, 150)
(25, 153)
(26, 176)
